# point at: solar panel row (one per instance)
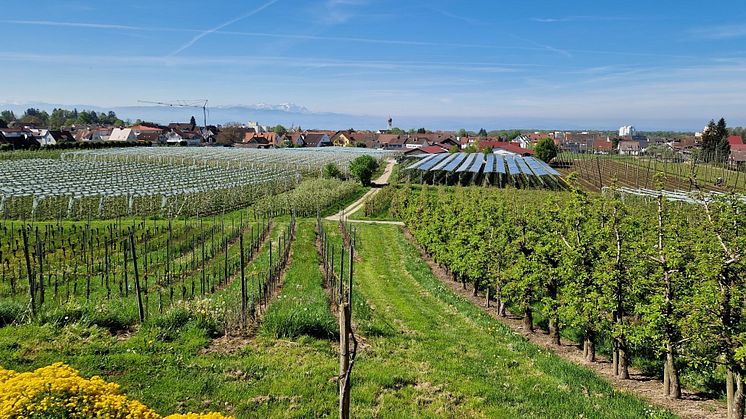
(492, 163)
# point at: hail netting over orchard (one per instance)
(301, 160)
(156, 181)
(43, 188)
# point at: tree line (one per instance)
(59, 118)
(658, 284)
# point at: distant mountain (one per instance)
(287, 114)
(284, 107)
(293, 115)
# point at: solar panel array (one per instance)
(492, 163)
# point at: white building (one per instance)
(122, 134)
(627, 131)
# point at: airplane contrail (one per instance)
(221, 26)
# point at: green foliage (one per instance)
(362, 168)
(546, 150)
(279, 130)
(309, 197)
(332, 171)
(593, 266)
(378, 205)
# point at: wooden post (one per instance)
(344, 360)
(140, 309)
(243, 284)
(40, 255)
(31, 285)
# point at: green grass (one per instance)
(302, 308)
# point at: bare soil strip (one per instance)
(691, 405)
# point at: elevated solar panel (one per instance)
(541, 168)
(535, 167)
(488, 168)
(499, 164)
(422, 161)
(477, 165)
(464, 167)
(432, 162)
(512, 166)
(455, 162)
(444, 162)
(523, 166)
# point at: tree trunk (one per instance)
(623, 362)
(499, 301)
(589, 347)
(671, 385)
(734, 394)
(476, 288)
(554, 329)
(528, 320)
(487, 297)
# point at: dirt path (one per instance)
(355, 206)
(647, 388)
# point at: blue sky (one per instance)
(654, 64)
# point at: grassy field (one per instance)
(430, 354)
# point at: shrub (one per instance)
(58, 391)
(10, 312)
(363, 168)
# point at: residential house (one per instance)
(603, 147)
(181, 126)
(737, 149)
(343, 139)
(311, 139)
(261, 140)
(92, 134)
(53, 137)
(188, 138)
(523, 141)
(152, 137)
(425, 151)
(392, 141)
(735, 140)
(122, 134)
(629, 148)
(415, 141)
(18, 138)
(504, 147)
(581, 142)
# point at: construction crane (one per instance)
(196, 103)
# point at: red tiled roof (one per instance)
(603, 145)
(735, 140)
(513, 148)
(433, 149)
(145, 128)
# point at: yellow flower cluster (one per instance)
(59, 391)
